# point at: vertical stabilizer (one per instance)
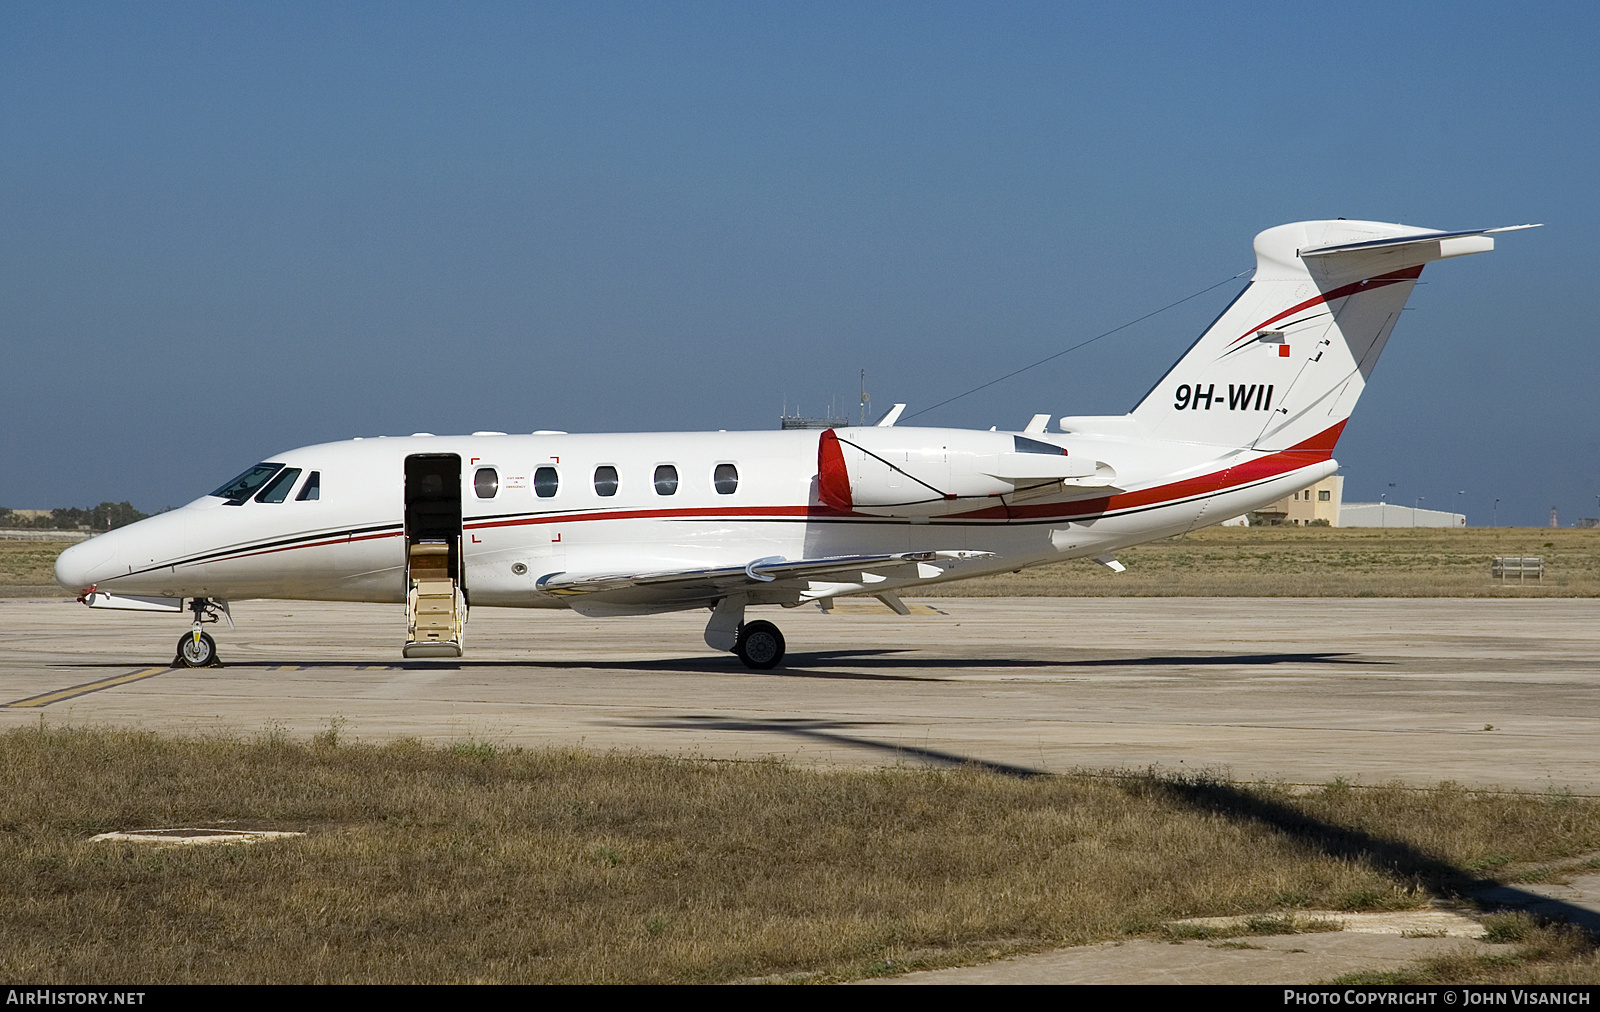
(1284, 364)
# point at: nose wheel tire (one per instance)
(760, 645)
(196, 655)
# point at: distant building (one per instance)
(1321, 501)
(1589, 522)
(1387, 514)
(1325, 501)
(29, 516)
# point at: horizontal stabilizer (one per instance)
(1412, 240)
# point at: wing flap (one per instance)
(757, 573)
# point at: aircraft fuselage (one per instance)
(349, 543)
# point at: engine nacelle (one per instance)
(913, 472)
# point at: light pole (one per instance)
(1459, 494)
(1494, 514)
(1415, 508)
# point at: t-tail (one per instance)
(1283, 365)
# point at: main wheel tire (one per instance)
(197, 655)
(760, 645)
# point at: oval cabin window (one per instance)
(666, 479)
(726, 479)
(546, 482)
(605, 480)
(486, 482)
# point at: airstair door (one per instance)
(436, 606)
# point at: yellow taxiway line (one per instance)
(73, 691)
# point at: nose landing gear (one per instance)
(197, 649)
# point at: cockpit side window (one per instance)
(240, 489)
(312, 489)
(278, 490)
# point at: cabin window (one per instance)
(243, 487)
(278, 490)
(725, 479)
(605, 480)
(1025, 445)
(312, 489)
(486, 482)
(546, 482)
(666, 479)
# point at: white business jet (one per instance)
(613, 525)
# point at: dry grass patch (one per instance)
(484, 864)
(1315, 562)
(31, 564)
(1255, 924)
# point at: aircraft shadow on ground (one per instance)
(828, 731)
(808, 664)
(1233, 659)
(1394, 857)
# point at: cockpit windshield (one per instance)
(239, 490)
(278, 491)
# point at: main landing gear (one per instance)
(197, 649)
(758, 644)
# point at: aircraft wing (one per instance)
(753, 574)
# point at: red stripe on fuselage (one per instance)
(1311, 451)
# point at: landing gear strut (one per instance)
(197, 649)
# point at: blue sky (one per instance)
(231, 229)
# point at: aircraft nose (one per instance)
(86, 563)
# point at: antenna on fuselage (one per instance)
(866, 398)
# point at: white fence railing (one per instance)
(1517, 567)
